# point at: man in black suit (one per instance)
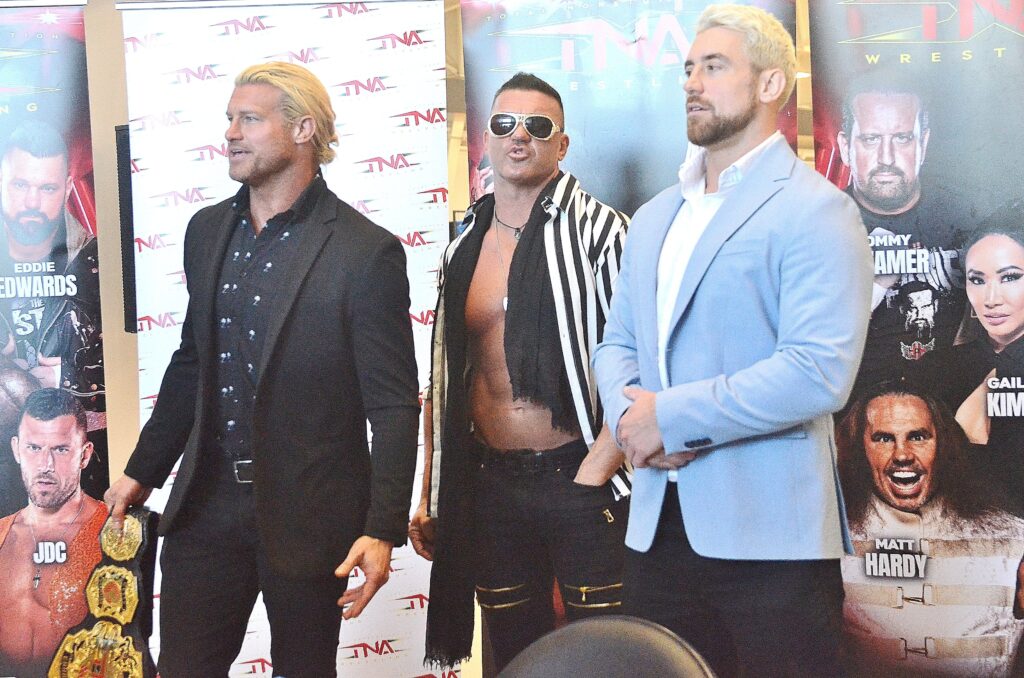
(297, 332)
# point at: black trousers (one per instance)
(212, 569)
(533, 524)
(747, 617)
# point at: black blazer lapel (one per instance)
(320, 228)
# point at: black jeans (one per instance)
(533, 524)
(212, 569)
(747, 617)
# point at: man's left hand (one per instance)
(638, 428)
(373, 556)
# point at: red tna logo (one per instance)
(209, 151)
(392, 40)
(364, 650)
(423, 317)
(417, 601)
(153, 242)
(161, 320)
(239, 26)
(436, 195)
(370, 85)
(184, 76)
(414, 118)
(175, 198)
(305, 55)
(415, 239)
(336, 10)
(395, 162)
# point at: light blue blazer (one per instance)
(765, 341)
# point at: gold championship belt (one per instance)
(100, 652)
(111, 642)
(113, 592)
(123, 545)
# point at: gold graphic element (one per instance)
(113, 592)
(99, 652)
(125, 544)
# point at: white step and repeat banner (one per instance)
(383, 63)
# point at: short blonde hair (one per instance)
(302, 94)
(769, 44)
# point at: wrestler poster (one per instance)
(619, 70)
(53, 466)
(383, 64)
(916, 117)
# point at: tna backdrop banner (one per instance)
(619, 68)
(383, 64)
(917, 116)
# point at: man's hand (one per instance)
(601, 463)
(671, 462)
(638, 428)
(422, 532)
(373, 556)
(124, 493)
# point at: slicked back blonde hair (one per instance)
(302, 94)
(769, 44)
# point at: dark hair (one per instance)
(48, 404)
(530, 83)
(965, 492)
(903, 295)
(881, 81)
(38, 139)
(1007, 219)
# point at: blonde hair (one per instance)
(302, 94)
(769, 44)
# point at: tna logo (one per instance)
(377, 164)
(436, 194)
(209, 151)
(306, 55)
(238, 26)
(413, 118)
(256, 667)
(336, 10)
(174, 198)
(184, 76)
(363, 650)
(417, 601)
(136, 44)
(149, 401)
(163, 320)
(424, 317)
(962, 20)
(179, 277)
(153, 242)
(355, 87)
(136, 168)
(156, 121)
(392, 41)
(415, 239)
(449, 673)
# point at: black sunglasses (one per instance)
(540, 127)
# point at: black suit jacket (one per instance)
(339, 352)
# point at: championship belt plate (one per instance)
(113, 592)
(124, 544)
(100, 652)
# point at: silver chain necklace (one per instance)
(35, 542)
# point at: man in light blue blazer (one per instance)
(736, 329)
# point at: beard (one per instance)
(53, 496)
(887, 196)
(716, 128)
(32, 227)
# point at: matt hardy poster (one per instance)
(916, 116)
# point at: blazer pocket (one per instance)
(745, 246)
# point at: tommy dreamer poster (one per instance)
(917, 118)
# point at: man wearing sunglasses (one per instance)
(736, 329)
(528, 486)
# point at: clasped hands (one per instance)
(640, 438)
